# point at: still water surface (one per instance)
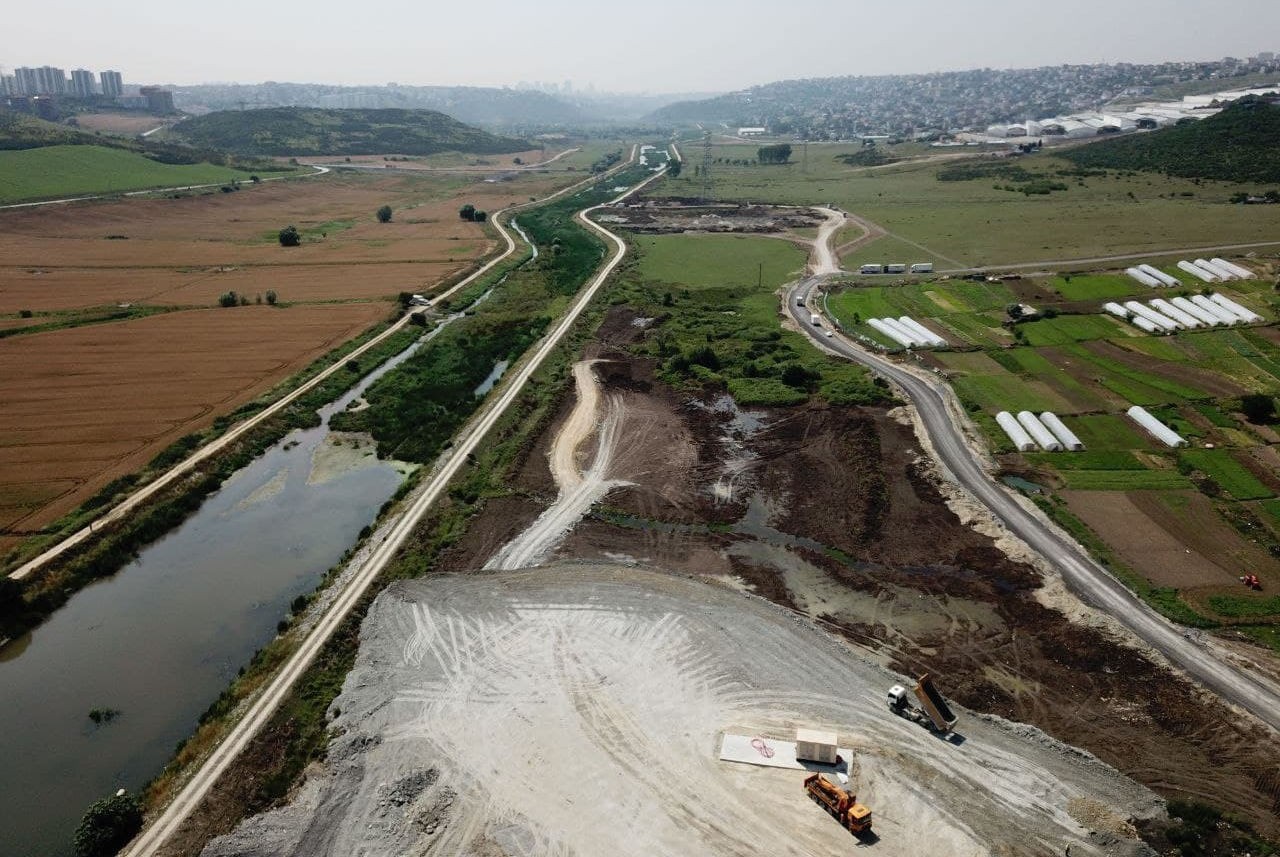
(161, 639)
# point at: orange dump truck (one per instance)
(841, 804)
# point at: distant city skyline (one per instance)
(663, 46)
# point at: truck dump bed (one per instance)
(934, 705)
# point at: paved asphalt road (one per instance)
(1084, 576)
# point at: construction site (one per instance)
(680, 626)
(580, 709)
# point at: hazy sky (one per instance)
(658, 45)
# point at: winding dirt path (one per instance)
(579, 490)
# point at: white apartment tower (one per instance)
(112, 84)
(82, 82)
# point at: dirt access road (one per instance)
(319, 171)
(411, 167)
(940, 416)
(577, 709)
(389, 541)
(578, 490)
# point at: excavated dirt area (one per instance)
(833, 512)
(576, 710)
(674, 215)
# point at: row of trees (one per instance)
(232, 298)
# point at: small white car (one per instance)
(830, 333)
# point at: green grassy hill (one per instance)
(70, 170)
(20, 131)
(1240, 144)
(313, 131)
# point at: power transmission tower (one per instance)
(706, 167)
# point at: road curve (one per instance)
(270, 698)
(1082, 574)
(130, 503)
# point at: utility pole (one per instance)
(706, 167)
(759, 275)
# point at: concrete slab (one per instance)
(769, 753)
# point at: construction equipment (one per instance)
(842, 805)
(933, 710)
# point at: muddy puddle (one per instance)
(162, 638)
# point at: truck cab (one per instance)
(897, 697)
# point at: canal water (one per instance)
(161, 639)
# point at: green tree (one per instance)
(1258, 408)
(673, 168)
(779, 154)
(467, 212)
(11, 601)
(1014, 311)
(228, 299)
(272, 297)
(384, 214)
(289, 236)
(108, 825)
(480, 217)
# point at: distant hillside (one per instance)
(825, 108)
(475, 105)
(1240, 144)
(312, 131)
(20, 131)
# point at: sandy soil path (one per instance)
(579, 490)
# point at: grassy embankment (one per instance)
(413, 412)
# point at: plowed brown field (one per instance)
(84, 405)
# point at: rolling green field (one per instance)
(55, 171)
(973, 223)
(707, 261)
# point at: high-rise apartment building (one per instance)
(82, 82)
(50, 80)
(26, 80)
(112, 84)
